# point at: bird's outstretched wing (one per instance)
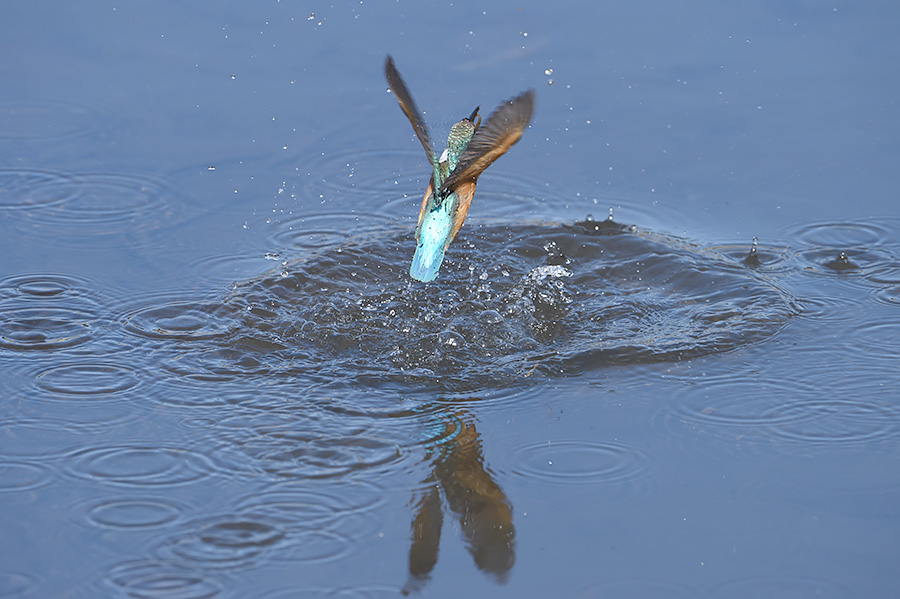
(501, 130)
(409, 107)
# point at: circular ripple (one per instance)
(31, 188)
(888, 295)
(850, 264)
(46, 288)
(742, 404)
(830, 308)
(580, 462)
(130, 513)
(186, 321)
(225, 543)
(317, 546)
(140, 466)
(838, 422)
(104, 202)
(887, 273)
(368, 170)
(879, 339)
(47, 328)
(40, 121)
(232, 267)
(312, 506)
(47, 438)
(290, 454)
(318, 230)
(861, 234)
(22, 476)
(742, 411)
(765, 258)
(102, 379)
(152, 579)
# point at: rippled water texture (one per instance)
(512, 303)
(218, 381)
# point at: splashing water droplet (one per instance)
(752, 258)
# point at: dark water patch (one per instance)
(45, 329)
(580, 462)
(17, 476)
(638, 589)
(224, 543)
(43, 121)
(130, 513)
(139, 465)
(788, 587)
(157, 579)
(511, 304)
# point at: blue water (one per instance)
(218, 380)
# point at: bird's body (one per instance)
(470, 149)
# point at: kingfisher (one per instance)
(471, 148)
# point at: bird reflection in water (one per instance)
(471, 494)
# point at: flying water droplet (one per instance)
(752, 258)
(842, 263)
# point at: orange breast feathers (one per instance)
(465, 191)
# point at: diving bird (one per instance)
(471, 148)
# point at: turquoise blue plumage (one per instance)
(471, 148)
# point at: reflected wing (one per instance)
(502, 129)
(409, 106)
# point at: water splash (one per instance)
(537, 300)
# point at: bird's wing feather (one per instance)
(409, 107)
(501, 130)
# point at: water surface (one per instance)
(219, 381)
